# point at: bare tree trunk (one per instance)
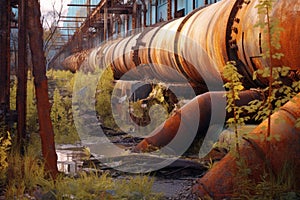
(35, 32)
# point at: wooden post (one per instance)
(22, 73)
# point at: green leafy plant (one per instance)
(235, 86)
(281, 186)
(156, 108)
(277, 92)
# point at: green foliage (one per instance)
(103, 98)
(26, 177)
(31, 108)
(281, 186)
(243, 185)
(61, 115)
(13, 93)
(94, 186)
(61, 88)
(134, 188)
(156, 105)
(25, 174)
(5, 144)
(270, 27)
(85, 187)
(235, 86)
(278, 93)
(64, 80)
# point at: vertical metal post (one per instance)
(88, 7)
(150, 10)
(134, 16)
(145, 14)
(22, 72)
(175, 8)
(111, 26)
(4, 59)
(105, 21)
(126, 25)
(169, 9)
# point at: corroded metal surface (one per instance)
(5, 11)
(198, 45)
(74, 62)
(185, 117)
(219, 182)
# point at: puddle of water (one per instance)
(70, 158)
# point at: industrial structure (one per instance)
(113, 19)
(197, 48)
(181, 41)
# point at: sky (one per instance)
(47, 7)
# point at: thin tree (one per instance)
(35, 32)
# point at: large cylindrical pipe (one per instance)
(198, 45)
(165, 133)
(219, 182)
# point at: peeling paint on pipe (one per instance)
(162, 135)
(219, 182)
(200, 44)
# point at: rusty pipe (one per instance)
(185, 117)
(74, 62)
(198, 45)
(218, 183)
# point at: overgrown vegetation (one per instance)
(25, 174)
(278, 92)
(5, 144)
(235, 86)
(270, 186)
(61, 115)
(27, 179)
(103, 99)
(61, 87)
